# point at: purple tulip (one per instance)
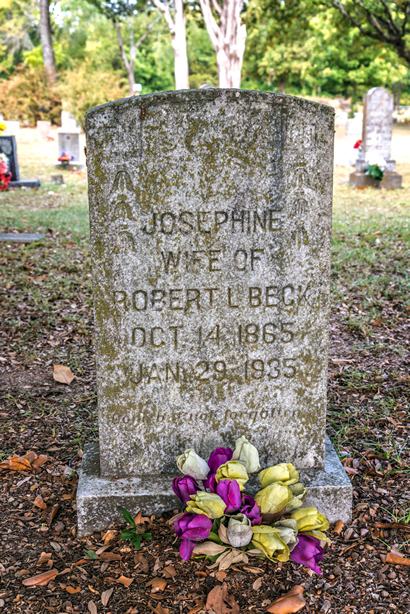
(308, 552)
(230, 492)
(191, 528)
(251, 509)
(218, 457)
(210, 482)
(184, 486)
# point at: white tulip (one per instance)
(190, 463)
(246, 454)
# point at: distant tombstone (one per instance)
(44, 128)
(12, 126)
(210, 239)
(376, 141)
(69, 147)
(68, 122)
(8, 147)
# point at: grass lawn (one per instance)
(46, 315)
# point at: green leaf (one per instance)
(90, 554)
(147, 536)
(127, 516)
(136, 541)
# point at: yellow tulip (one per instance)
(233, 470)
(274, 498)
(210, 504)
(269, 542)
(247, 454)
(283, 472)
(310, 519)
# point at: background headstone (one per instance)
(210, 220)
(69, 143)
(376, 140)
(8, 146)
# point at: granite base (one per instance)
(99, 499)
(391, 180)
(26, 183)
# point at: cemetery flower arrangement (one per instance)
(5, 175)
(224, 523)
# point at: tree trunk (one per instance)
(181, 70)
(177, 28)
(47, 42)
(127, 63)
(228, 37)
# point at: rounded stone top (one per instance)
(207, 95)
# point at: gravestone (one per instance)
(69, 144)
(8, 147)
(210, 232)
(376, 141)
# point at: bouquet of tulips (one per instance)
(225, 524)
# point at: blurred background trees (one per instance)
(91, 51)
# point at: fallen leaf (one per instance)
(141, 562)
(161, 610)
(62, 374)
(53, 513)
(109, 536)
(72, 590)
(254, 570)
(92, 608)
(169, 571)
(41, 579)
(289, 602)
(338, 528)
(16, 463)
(110, 556)
(39, 461)
(397, 559)
(157, 585)
(220, 602)
(220, 575)
(39, 502)
(106, 596)
(257, 584)
(209, 549)
(125, 581)
(44, 558)
(140, 519)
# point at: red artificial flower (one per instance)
(357, 144)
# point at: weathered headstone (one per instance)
(376, 141)
(210, 224)
(8, 147)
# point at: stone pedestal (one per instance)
(391, 180)
(99, 499)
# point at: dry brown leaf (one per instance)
(257, 584)
(254, 570)
(140, 519)
(109, 536)
(72, 590)
(222, 534)
(161, 610)
(220, 602)
(397, 559)
(92, 608)
(106, 596)
(44, 558)
(39, 461)
(125, 581)
(41, 579)
(110, 556)
(39, 502)
(220, 575)
(157, 585)
(141, 562)
(169, 571)
(288, 603)
(16, 463)
(339, 526)
(62, 374)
